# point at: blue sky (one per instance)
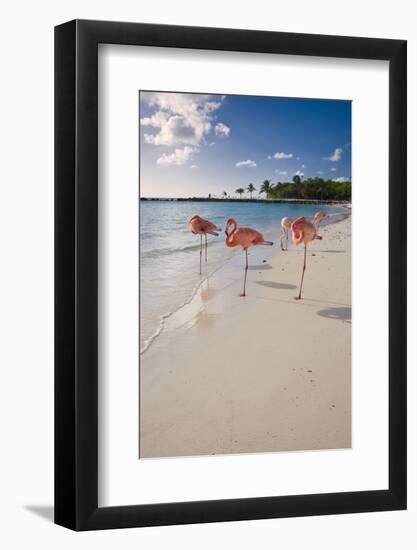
(196, 144)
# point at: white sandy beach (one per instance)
(257, 374)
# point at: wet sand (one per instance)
(262, 373)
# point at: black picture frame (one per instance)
(76, 272)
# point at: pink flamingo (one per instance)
(285, 226)
(303, 231)
(244, 237)
(318, 216)
(200, 226)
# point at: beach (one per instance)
(264, 373)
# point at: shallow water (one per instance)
(169, 252)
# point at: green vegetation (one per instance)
(311, 188)
(266, 187)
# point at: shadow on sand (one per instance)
(338, 313)
(278, 286)
(259, 267)
(334, 251)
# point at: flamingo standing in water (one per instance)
(200, 226)
(244, 237)
(285, 226)
(303, 231)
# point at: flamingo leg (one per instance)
(205, 235)
(286, 239)
(282, 238)
(201, 250)
(302, 276)
(246, 273)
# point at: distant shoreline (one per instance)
(282, 201)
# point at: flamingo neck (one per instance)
(229, 234)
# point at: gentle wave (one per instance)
(149, 341)
(167, 251)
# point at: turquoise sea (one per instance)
(169, 252)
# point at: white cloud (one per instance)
(221, 130)
(281, 155)
(319, 171)
(194, 167)
(341, 179)
(333, 169)
(181, 119)
(299, 173)
(157, 120)
(281, 172)
(178, 158)
(179, 130)
(248, 163)
(297, 158)
(185, 104)
(303, 166)
(211, 106)
(335, 156)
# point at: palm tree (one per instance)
(296, 179)
(266, 188)
(225, 194)
(251, 189)
(240, 192)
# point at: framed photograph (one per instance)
(230, 244)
